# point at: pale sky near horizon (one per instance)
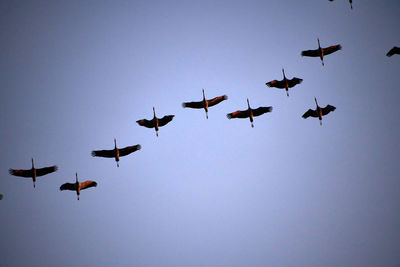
(74, 75)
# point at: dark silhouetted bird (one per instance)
(77, 186)
(33, 173)
(1, 196)
(285, 83)
(249, 113)
(116, 152)
(394, 50)
(350, 1)
(319, 112)
(321, 52)
(155, 122)
(205, 103)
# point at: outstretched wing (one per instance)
(241, 114)
(87, 184)
(294, 81)
(394, 50)
(46, 170)
(21, 173)
(193, 104)
(146, 123)
(216, 100)
(276, 83)
(310, 113)
(327, 109)
(310, 53)
(164, 120)
(261, 110)
(128, 150)
(331, 49)
(68, 186)
(103, 153)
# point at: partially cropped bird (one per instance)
(77, 186)
(350, 1)
(249, 113)
(285, 83)
(321, 52)
(155, 122)
(319, 112)
(394, 50)
(116, 152)
(205, 103)
(1, 196)
(33, 172)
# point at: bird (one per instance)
(1, 196)
(394, 50)
(285, 83)
(321, 52)
(77, 186)
(249, 113)
(33, 172)
(116, 152)
(205, 103)
(350, 1)
(155, 122)
(319, 112)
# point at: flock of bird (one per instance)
(156, 122)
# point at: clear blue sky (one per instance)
(74, 75)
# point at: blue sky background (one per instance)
(74, 75)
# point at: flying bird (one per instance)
(319, 112)
(77, 186)
(155, 122)
(394, 50)
(116, 152)
(350, 1)
(205, 103)
(1, 196)
(249, 113)
(285, 83)
(33, 172)
(321, 52)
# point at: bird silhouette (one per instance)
(155, 122)
(285, 83)
(77, 186)
(318, 112)
(350, 1)
(321, 52)
(394, 50)
(116, 152)
(33, 172)
(205, 103)
(249, 113)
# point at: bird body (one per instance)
(155, 122)
(318, 112)
(321, 52)
(249, 113)
(394, 50)
(205, 103)
(77, 186)
(33, 172)
(116, 152)
(285, 83)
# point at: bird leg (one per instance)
(320, 122)
(206, 115)
(157, 133)
(287, 92)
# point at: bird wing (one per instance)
(394, 50)
(331, 49)
(128, 150)
(310, 53)
(193, 104)
(68, 186)
(327, 109)
(216, 100)
(87, 184)
(276, 83)
(146, 123)
(294, 81)
(46, 170)
(21, 173)
(103, 153)
(164, 120)
(261, 110)
(238, 114)
(310, 112)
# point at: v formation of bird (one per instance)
(156, 122)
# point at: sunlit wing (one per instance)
(146, 123)
(238, 114)
(199, 104)
(164, 120)
(128, 150)
(276, 83)
(87, 184)
(394, 50)
(294, 81)
(310, 113)
(261, 110)
(21, 173)
(216, 100)
(331, 49)
(68, 186)
(327, 109)
(310, 53)
(103, 153)
(46, 170)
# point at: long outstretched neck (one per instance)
(283, 72)
(115, 143)
(319, 46)
(316, 103)
(76, 178)
(154, 112)
(33, 164)
(204, 95)
(248, 104)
